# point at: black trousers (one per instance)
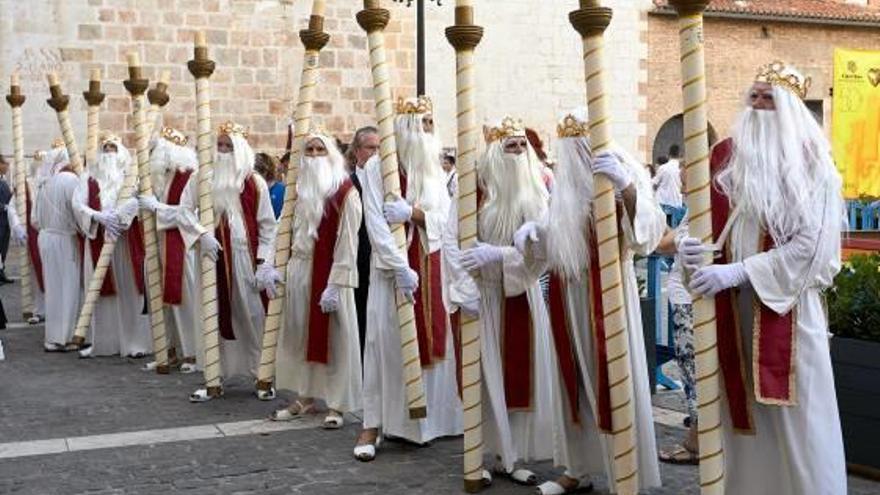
(4, 242)
(360, 303)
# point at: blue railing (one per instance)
(863, 214)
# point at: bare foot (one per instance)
(368, 436)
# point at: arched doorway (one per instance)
(672, 133)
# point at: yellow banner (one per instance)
(856, 121)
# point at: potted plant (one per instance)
(854, 319)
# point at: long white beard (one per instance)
(160, 168)
(106, 171)
(318, 179)
(227, 196)
(571, 209)
(420, 156)
(516, 196)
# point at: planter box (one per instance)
(857, 380)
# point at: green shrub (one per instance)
(854, 300)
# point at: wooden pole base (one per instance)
(473, 486)
(418, 413)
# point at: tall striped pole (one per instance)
(94, 97)
(314, 39)
(158, 98)
(696, 157)
(59, 102)
(464, 36)
(373, 19)
(16, 99)
(590, 21)
(201, 67)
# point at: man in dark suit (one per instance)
(5, 198)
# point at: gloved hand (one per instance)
(330, 299)
(481, 255)
(129, 209)
(19, 235)
(609, 165)
(110, 221)
(148, 202)
(397, 211)
(470, 308)
(529, 232)
(210, 246)
(712, 279)
(692, 252)
(266, 278)
(407, 281)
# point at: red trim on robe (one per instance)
(33, 240)
(597, 317)
(563, 343)
(318, 348)
(455, 327)
(175, 248)
(250, 206)
(108, 288)
(517, 349)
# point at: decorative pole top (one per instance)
(201, 67)
(15, 98)
(689, 7)
(94, 97)
(159, 94)
(136, 84)
(59, 100)
(373, 18)
(464, 35)
(314, 38)
(591, 19)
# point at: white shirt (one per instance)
(668, 184)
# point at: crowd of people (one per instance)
(532, 280)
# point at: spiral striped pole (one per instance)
(464, 36)
(314, 39)
(59, 102)
(201, 67)
(696, 157)
(16, 99)
(373, 19)
(158, 98)
(94, 97)
(590, 21)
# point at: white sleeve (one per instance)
(386, 254)
(644, 232)
(82, 212)
(344, 271)
(460, 287)
(183, 216)
(268, 226)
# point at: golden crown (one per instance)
(229, 128)
(773, 74)
(106, 137)
(572, 127)
(510, 127)
(172, 135)
(58, 143)
(39, 155)
(421, 105)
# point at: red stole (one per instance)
(135, 245)
(597, 324)
(318, 349)
(517, 348)
(250, 202)
(32, 240)
(175, 249)
(559, 325)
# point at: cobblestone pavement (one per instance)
(56, 396)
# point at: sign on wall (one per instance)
(856, 121)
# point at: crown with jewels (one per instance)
(230, 128)
(510, 127)
(421, 105)
(571, 127)
(108, 137)
(172, 135)
(58, 143)
(773, 74)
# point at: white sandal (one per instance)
(333, 421)
(487, 478)
(554, 488)
(286, 414)
(266, 394)
(367, 453)
(86, 352)
(201, 395)
(33, 320)
(524, 477)
(187, 368)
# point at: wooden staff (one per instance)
(158, 98)
(94, 97)
(314, 39)
(59, 102)
(464, 36)
(590, 21)
(696, 157)
(373, 19)
(201, 67)
(16, 99)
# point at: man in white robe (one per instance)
(56, 221)
(118, 326)
(174, 173)
(785, 212)
(418, 274)
(564, 239)
(318, 355)
(245, 229)
(36, 270)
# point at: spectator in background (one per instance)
(267, 166)
(5, 198)
(451, 174)
(667, 182)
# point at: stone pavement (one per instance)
(75, 403)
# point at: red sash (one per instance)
(559, 325)
(33, 240)
(135, 245)
(318, 349)
(516, 351)
(597, 322)
(175, 249)
(455, 326)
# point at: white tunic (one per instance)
(339, 381)
(668, 183)
(118, 325)
(384, 392)
(56, 221)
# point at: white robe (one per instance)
(55, 219)
(183, 322)
(338, 383)
(37, 294)
(797, 449)
(240, 358)
(118, 326)
(384, 391)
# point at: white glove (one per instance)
(129, 209)
(267, 277)
(609, 165)
(210, 246)
(19, 235)
(148, 202)
(712, 279)
(407, 281)
(692, 252)
(529, 232)
(110, 221)
(397, 211)
(330, 299)
(481, 255)
(470, 308)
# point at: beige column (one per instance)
(59, 102)
(16, 99)
(94, 97)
